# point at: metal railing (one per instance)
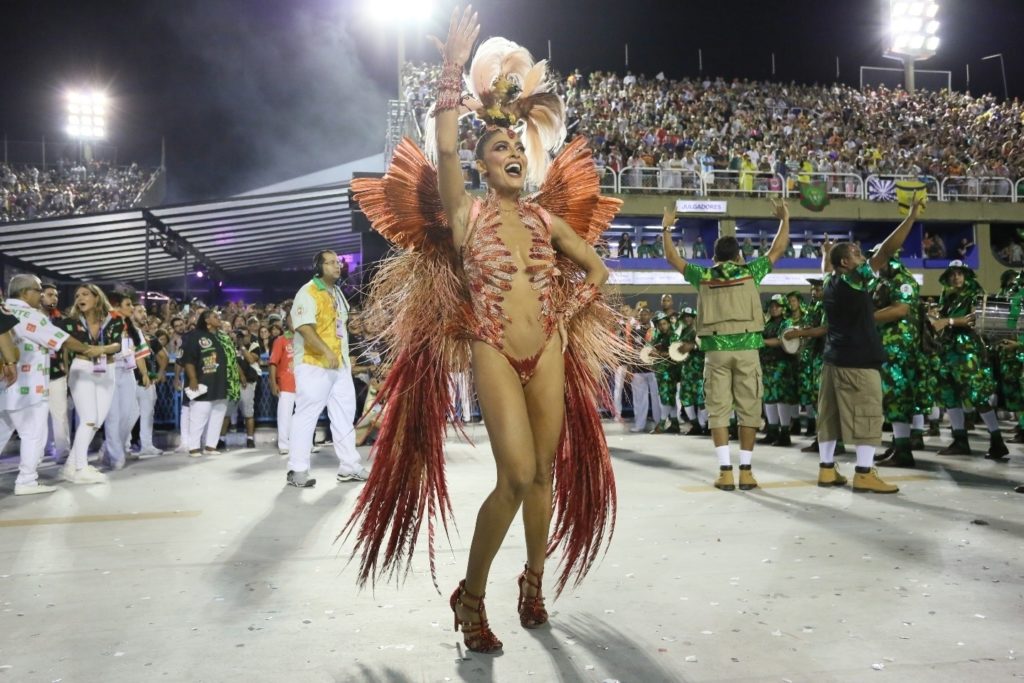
(990, 188)
(743, 183)
(845, 185)
(931, 184)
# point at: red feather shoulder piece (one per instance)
(404, 206)
(416, 307)
(572, 191)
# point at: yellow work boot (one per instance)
(870, 482)
(829, 476)
(747, 480)
(725, 481)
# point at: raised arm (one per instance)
(781, 241)
(826, 255)
(668, 221)
(462, 33)
(895, 239)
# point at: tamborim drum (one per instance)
(676, 353)
(791, 346)
(992, 318)
(647, 355)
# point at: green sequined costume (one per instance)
(900, 341)
(666, 372)
(233, 376)
(779, 369)
(691, 385)
(811, 357)
(929, 355)
(1009, 363)
(965, 376)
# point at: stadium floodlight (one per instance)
(913, 28)
(86, 115)
(399, 13)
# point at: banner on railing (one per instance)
(700, 206)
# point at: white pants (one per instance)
(645, 393)
(316, 387)
(30, 423)
(124, 411)
(285, 408)
(205, 417)
(617, 389)
(92, 395)
(146, 398)
(59, 442)
(461, 395)
(183, 430)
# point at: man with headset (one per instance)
(323, 375)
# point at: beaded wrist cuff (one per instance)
(449, 88)
(587, 294)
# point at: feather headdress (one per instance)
(508, 90)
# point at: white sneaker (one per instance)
(32, 489)
(151, 451)
(86, 475)
(362, 475)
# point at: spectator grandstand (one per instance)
(679, 135)
(69, 187)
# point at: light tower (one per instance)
(86, 118)
(913, 30)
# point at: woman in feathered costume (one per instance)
(510, 287)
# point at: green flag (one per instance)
(813, 195)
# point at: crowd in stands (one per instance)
(69, 187)
(699, 126)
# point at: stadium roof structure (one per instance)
(274, 228)
(254, 233)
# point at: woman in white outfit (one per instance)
(91, 380)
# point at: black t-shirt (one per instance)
(202, 350)
(150, 361)
(57, 369)
(852, 340)
(7, 321)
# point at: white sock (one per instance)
(917, 422)
(745, 457)
(991, 421)
(811, 412)
(724, 460)
(690, 413)
(667, 413)
(956, 418)
(900, 430)
(827, 451)
(786, 414)
(935, 414)
(771, 413)
(702, 417)
(865, 456)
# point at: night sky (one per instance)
(250, 92)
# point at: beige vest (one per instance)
(729, 307)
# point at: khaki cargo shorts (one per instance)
(732, 379)
(850, 406)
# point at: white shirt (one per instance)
(35, 336)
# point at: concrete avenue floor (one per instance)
(212, 570)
